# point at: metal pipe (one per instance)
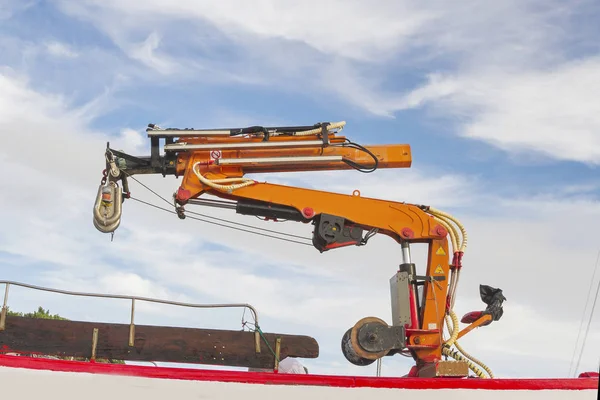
(378, 367)
(117, 296)
(94, 344)
(4, 310)
(154, 130)
(405, 253)
(214, 203)
(277, 160)
(131, 325)
(409, 267)
(277, 353)
(257, 341)
(242, 145)
(187, 132)
(6, 295)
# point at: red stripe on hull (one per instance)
(290, 379)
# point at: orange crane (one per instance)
(216, 162)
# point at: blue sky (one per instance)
(498, 103)
(432, 136)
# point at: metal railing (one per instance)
(117, 296)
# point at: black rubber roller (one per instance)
(349, 352)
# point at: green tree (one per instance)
(40, 313)
(45, 314)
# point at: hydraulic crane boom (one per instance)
(216, 162)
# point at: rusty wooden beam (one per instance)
(151, 343)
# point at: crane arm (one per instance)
(343, 220)
(217, 162)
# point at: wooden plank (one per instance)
(152, 343)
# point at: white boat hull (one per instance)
(26, 378)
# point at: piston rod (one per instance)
(274, 160)
(247, 145)
(159, 132)
(405, 253)
(214, 203)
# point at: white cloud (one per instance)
(60, 49)
(552, 112)
(8, 8)
(317, 51)
(132, 141)
(513, 86)
(338, 28)
(49, 127)
(147, 54)
(541, 339)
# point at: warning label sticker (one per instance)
(440, 252)
(439, 270)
